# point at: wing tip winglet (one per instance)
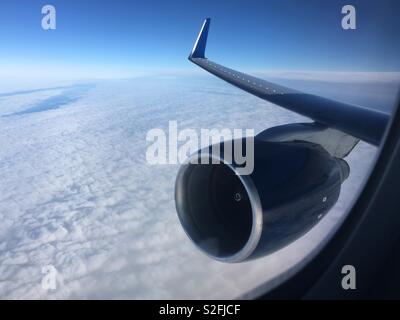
(199, 48)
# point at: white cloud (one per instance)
(77, 193)
(335, 76)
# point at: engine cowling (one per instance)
(233, 218)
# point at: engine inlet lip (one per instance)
(252, 193)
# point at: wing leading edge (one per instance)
(362, 123)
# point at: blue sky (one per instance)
(121, 38)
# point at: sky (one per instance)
(117, 39)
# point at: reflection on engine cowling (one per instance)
(233, 218)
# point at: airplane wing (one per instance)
(357, 121)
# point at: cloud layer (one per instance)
(76, 192)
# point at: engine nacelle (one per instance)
(234, 217)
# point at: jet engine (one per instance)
(233, 217)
